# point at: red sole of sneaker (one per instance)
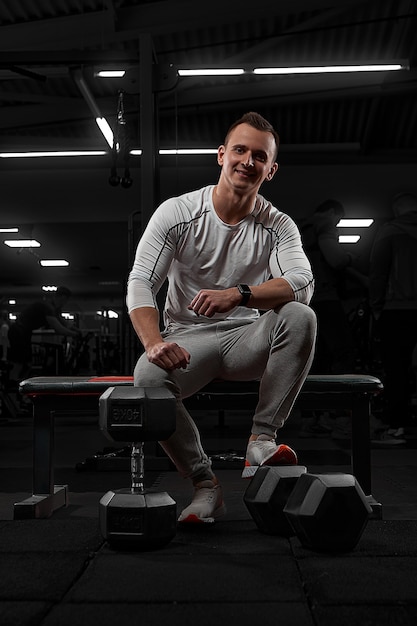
(283, 455)
(193, 519)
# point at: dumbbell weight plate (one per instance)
(328, 512)
(267, 494)
(137, 413)
(137, 521)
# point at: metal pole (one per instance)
(149, 165)
(148, 131)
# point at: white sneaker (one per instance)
(265, 451)
(207, 504)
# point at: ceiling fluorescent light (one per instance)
(22, 243)
(108, 313)
(67, 316)
(89, 98)
(104, 126)
(54, 263)
(70, 153)
(9, 230)
(54, 153)
(111, 73)
(189, 151)
(211, 72)
(349, 238)
(355, 223)
(326, 69)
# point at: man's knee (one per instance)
(147, 374)
(300, 316)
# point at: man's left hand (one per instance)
(207, 302)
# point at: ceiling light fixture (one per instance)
(22, 243)
(111, 73)
(304, 69)
(355, 223)
(67, 316)
(54, 153)
(53, 263)
(71, 153)
(189, 151)
(104, 126)
(211, 72)
(89, 98)
(108, 313)
(349, 238)
(9, 230)
(330, 69)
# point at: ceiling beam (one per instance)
(281, 39)
(89, 29)
(167, 17)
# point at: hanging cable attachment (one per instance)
(121, 146)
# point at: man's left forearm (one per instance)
(270, 294)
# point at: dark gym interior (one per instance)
(348, 136)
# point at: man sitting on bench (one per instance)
(227, 253)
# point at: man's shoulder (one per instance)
(267, 212)
(265, 207)
(188, 201)
(190, 196)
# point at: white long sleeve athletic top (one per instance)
(186, 242)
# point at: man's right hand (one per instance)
(165, 354)
(168, 355)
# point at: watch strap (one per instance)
(245, 292)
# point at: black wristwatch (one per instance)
(245, 292)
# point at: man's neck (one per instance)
(231, 206)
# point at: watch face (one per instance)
(245, 292)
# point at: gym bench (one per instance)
(80, 394)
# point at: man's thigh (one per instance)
(205, 361)
(245, 349)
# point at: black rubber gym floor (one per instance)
(59, 571)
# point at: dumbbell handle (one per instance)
(137, 468)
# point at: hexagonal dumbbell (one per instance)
(134, 518)
(267, 494)
(328, 512)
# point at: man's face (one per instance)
(248, 158)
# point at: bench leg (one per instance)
(46, 497)
(361, 448)
(41, 506)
